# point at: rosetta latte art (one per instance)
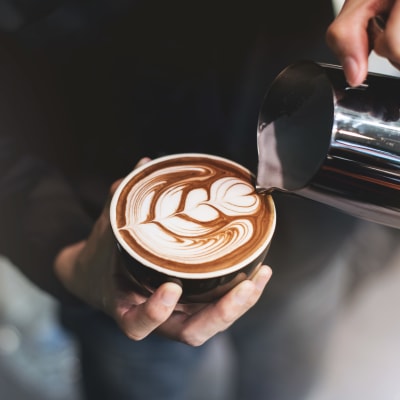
(197, 215)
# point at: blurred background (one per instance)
(38, 359)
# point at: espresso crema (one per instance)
(193, 214)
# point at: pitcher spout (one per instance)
(323, 140)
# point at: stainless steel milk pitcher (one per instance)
(324, 140)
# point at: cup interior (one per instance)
(145, 171)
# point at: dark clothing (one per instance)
(111, 81)
(87, 88)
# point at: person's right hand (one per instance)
(350, 38)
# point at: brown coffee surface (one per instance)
(193, 214)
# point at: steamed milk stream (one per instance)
(193, 215)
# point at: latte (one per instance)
(192, 214)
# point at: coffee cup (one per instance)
(194, 219)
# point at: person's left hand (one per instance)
(92, 271)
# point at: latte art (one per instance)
(192, 214)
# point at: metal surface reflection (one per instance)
(338, 145)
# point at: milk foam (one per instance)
(193, 214)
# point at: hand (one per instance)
(349, 38)
(91, 270)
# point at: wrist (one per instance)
(66, 267)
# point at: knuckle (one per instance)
(154, 315)
(393, 46)
(192, 336)
(138, 329)
(136, 332)
(191, 339)
(227, 315)
(336, 32)
(252, 301)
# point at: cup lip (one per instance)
(180, 274)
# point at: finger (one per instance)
(115, 185)
(142, 161)
(348, 38)
(216, 317)
(139, 320)
(387, 43)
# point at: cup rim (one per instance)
(181, 274)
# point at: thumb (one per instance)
(142, 161)
(115, 184)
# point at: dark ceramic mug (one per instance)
(193, 219)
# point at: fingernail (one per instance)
(262, 277)
(171, 295)
(351, 70)
(243, 293)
